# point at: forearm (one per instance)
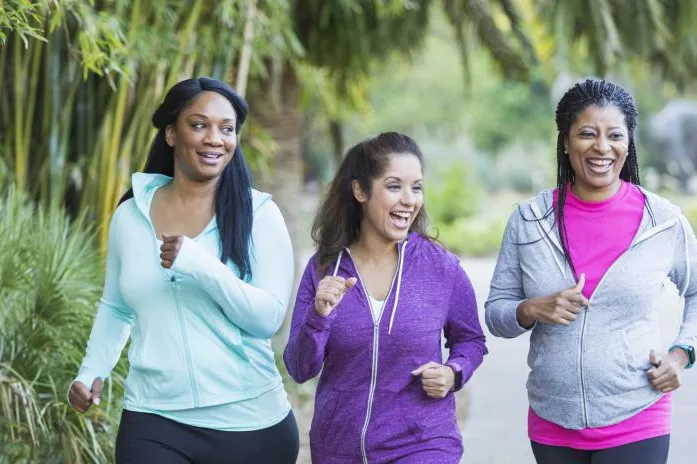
(304, 353)
(110, 332)
(255, 310)
(524, 314)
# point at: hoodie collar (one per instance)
(396, 285)
(144, 187)
(658, 215)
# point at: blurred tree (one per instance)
(82, 80)
(611, 33)
(346, 40)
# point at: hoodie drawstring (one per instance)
(338, 261)
(400, 266)
(399, 285)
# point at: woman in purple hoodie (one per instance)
(370, 312)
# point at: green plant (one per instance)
(452, 193)
(477, 236)
(50, 279)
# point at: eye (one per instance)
(418, 188)
(198, 125)
(394, 187)
(229, 130)
(586, 133)
(617, 136)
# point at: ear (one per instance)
(566, 145)
(358, 192)
(170, 135)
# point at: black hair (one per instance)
(591, 92)
(233, 195)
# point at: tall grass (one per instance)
(50, 281)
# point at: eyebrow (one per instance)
(400, 180)
(206, 117)
(590, 126)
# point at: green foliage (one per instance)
(452, 194)
(50, 281)
(476, 236)
(454, 201)
(690, 212)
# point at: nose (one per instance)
(603, 144)
(213, 137)
(408, 197)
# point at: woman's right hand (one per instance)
(329, 293)
(560, 308)
(81, 398)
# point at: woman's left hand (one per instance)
(666, 370)
(436, 379)
(169, 250)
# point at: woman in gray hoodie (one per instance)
(581, 268)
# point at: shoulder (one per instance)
(662, 208)
(431, 254)
(265, 211)
(123, 215)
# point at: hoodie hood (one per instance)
(145, 184)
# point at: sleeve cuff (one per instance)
(462, 372)
(316, 321)
(87, 380)
(189, 257)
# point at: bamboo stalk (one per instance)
(246, 55)
(18, 84)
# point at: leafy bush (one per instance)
(478, 236)
(50, 280)
(452, 194)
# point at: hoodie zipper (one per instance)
(376, 344)
(586, 314)
(185, 341)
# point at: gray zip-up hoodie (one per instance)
(592, 373)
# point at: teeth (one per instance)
(600, 163)
(402, 215)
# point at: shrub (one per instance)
(50, 281)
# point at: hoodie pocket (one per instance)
(639, 339)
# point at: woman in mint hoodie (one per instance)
(370, 312)
(199, 273)
(582, 268)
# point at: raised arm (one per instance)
(259, 306)
(309, 331)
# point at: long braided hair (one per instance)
(590, 92)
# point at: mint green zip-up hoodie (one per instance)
(199, 333)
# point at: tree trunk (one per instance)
(275, 106)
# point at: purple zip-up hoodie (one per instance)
(368, 406)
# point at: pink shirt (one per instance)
(597, 234)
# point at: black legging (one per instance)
(651, 451)
(149, 439)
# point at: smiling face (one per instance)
(395, 199)
(203, 137)
(597, 146)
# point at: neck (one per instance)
(594, 195)
(373, 248)
(188, 193)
